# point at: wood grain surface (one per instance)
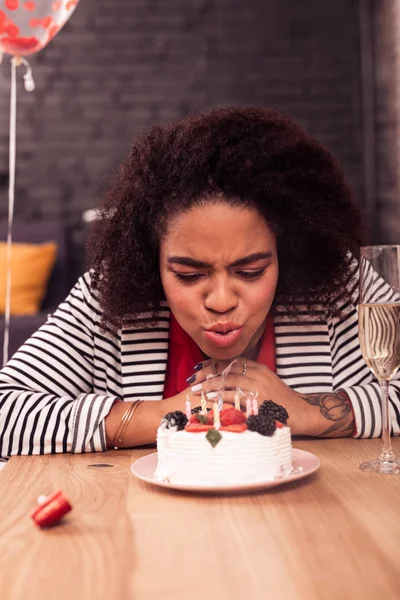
(335, 534)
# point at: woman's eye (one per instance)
(243, 274)
(251, 274)
(188, 277)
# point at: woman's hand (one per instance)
(250, 376)
(321, 414)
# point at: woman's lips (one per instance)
(223, 340)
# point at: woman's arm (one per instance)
(143, 425)
(47, 404)
(352, 377)
(46, 399)
(333, 415)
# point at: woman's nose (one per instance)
(221, 297)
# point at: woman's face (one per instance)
(219, 270)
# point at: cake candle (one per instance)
(203, 404)
(255, 407)
(188, 408)
(249, 407)
(237, 400)
(217, 420)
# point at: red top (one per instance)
(184, 354)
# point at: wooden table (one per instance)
(335, 534)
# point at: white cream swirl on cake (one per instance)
(243, 450)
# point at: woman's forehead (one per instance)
(218, 230)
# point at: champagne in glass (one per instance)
(379, 334)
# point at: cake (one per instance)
(226, 448)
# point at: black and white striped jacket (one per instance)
(57, 389)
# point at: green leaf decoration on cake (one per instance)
(213, 436)
(201, 419)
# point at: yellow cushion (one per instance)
(31, 267)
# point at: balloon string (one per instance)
(11, 194)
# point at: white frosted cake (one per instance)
(241, 450)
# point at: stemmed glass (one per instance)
(379, 333)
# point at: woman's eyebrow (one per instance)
(246, 260)
(186, 261)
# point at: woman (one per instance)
(230, 235)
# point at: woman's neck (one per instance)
(253, 352)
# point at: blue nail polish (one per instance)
(191, 379)
(198, 366)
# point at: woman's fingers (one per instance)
(232, 381)
(203, 371)
(228, 397)
(213, 384)
(212, 369)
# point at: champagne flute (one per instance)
(379, 334)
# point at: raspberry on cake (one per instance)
(197, 427)
(235, 427)
(231, 416)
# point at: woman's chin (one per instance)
(225, 357)
(226, 354)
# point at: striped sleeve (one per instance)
(47, 404)
(352, 375)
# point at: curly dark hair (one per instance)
(247, 156)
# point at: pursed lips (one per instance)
(223, 327)
(223, 334)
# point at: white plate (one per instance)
(304, 463)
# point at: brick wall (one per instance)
(120, 66)
(386, 68)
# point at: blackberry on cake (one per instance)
(176, 419)
(262, 424)
(198, 409)
(274, 411)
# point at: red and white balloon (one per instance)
(27, 26)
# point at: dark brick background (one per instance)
(386, 86)
(123, 65)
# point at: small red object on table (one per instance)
(51, 510)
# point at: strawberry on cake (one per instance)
(232, 449)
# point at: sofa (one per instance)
(59, 284)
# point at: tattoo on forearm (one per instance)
(334, 407)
